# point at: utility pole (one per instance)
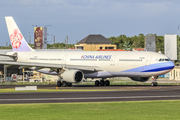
(178, 45)
(54, 41)
(67, 41)
(29, 39)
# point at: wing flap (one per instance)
(55, 66)
(45, 65)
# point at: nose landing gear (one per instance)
(154, 83)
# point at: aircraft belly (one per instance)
(97, 75)
(138, 74)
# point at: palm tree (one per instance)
(127, 45)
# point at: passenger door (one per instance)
(148, 60)
(64, 60)
(112, 60)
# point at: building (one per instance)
(175, 73)
(138, 49)
(150, 43)
(94, 43)
(112, 50)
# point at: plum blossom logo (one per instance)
(16, 38)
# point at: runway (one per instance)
(104, 96)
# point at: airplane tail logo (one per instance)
(18, 42)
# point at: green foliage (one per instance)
(4, 47)
(59, 46)
(127, 43)
(124, 42)
(160, 44)
(49, 46)
(178, 49)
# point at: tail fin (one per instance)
(18, 42)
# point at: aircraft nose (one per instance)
(170, 65)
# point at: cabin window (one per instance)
(109, 47)
(80, 47)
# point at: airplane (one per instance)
(74, 66)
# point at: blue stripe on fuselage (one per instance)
(153, 67)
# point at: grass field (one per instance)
(146, 110)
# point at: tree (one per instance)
(160, 44)
(127, 45)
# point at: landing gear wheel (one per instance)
(59, 84)
(107, 83)
(69, 84)
(64, 84)
(101, 83)
(96, 83)
(154, 84)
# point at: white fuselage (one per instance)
(113, 63)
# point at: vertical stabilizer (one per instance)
(18, 42)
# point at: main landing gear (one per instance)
(63, 84)
(102, 83)
(154, 83)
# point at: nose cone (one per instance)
(170, 65)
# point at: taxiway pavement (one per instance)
(170, 93)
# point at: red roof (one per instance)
(138, 49)
(111, 50)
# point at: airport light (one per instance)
(30, 36)
(35, 25)
(47, 25)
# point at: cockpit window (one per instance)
(164, 59)
(169, 59)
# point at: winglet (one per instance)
(18, 42)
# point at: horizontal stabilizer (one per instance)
(14, 56)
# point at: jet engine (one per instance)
(72, 76)
(140, 79)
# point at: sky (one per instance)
(79, 18)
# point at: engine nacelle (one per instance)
(140, 79)
(72, 76)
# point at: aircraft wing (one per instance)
(54, 66)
